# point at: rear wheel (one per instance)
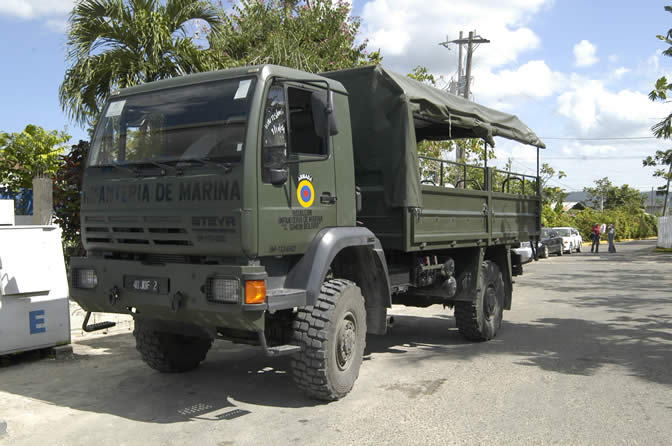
(332, 337)
(578, 248)
(562, 251)
(481, 320)
(544, 252)
(169, 352)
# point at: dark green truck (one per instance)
(283, 209)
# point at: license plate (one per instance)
(155, 285)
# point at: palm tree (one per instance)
(119, 43)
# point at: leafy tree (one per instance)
(120, 43)
(598, 194)
(27, 154)
(607, 196)
(67, 192)
(662, 158)
(551, 194)
(311, 35)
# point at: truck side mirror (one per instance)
(278, 176)
(323, 114)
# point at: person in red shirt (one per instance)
(595, 235)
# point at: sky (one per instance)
(576, 72)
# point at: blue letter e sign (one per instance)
(36, 322)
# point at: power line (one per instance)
(589, 157)
(596, 139)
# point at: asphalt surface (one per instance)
(584, 357)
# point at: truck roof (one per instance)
(438, 108)
(263, 71)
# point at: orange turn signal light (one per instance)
(255, 291)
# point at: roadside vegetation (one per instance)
(623, 206)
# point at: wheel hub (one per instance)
(346, 338)
(490, 303)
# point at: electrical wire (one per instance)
(568, 138)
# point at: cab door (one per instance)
(292, 213)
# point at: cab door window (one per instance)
(274, 148)
(302, 136)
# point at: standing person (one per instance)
(611, 233)
(595, 235)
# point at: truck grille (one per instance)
(137, 231)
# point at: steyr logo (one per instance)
(213, 221)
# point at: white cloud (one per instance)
(531, 81)
(409, 33)
(592, 110)
(613, 58)
(620, 72)
(654, 61)
(35, 9)
(585, 54)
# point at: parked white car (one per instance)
(525, 253)
(571, 239)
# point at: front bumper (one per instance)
(186, 279)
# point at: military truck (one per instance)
(288, 210)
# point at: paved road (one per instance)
(584, 357)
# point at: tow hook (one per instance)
(114, 295)
(95, 327)
(177, 302)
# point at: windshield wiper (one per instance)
(162, 166)
(227, 167)
(118, 166)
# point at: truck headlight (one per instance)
(222, 290)
(84, 278)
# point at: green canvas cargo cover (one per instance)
(390, 113)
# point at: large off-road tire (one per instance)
(332, 335)
(169, 352)
(481, 320)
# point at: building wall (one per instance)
(665, 232)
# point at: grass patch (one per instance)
(665, 250)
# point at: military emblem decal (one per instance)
(305, 192)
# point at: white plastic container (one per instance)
(34, 310)
(6, 212)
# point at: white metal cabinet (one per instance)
(34, 308)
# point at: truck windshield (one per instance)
(201, 121)
(564, 232)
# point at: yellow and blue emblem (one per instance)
(305, 192)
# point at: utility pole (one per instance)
(464, 88)
(667, 189)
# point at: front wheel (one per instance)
(578, 248)
(544, 252)
(481, 320)
(332, 337)
(562, 251)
